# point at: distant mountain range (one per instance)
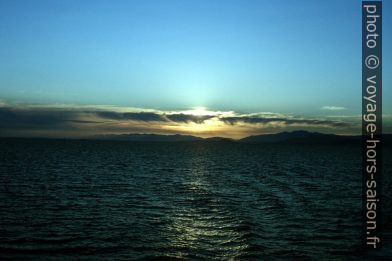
(147, 137)
(294, 137)
(301, 137)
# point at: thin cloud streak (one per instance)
(333, 108)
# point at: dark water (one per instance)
(114, 200)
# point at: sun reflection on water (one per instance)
(201, 222)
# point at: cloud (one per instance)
(25, 118)
(71, 120)
(133, 116)
(283, 121)
(153, 116)
(333, 108)
(185, 118)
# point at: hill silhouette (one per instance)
(294, 137)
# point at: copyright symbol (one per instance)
(371, 61)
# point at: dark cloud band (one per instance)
(24, 118)
(288, 121)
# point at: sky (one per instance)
(208, 68)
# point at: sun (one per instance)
(200, 111)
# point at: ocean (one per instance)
(114, 200)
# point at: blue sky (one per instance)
(290, 57)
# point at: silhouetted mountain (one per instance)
(278, 137)
(295, 137)
(301, 137)
(147, 137)
(219, 139)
